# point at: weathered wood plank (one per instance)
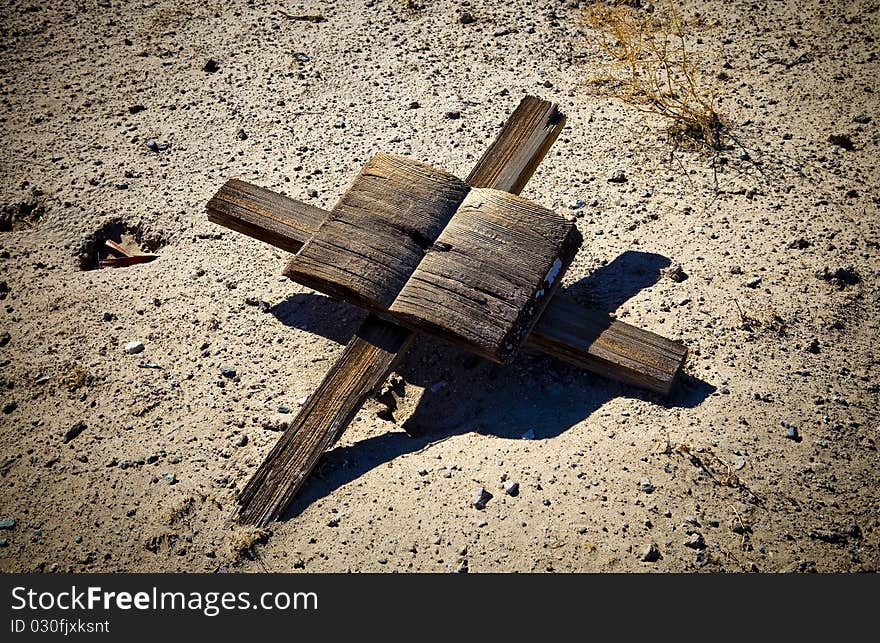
(362, 368)
(302, 445)
(593, 341)
(583, 337)
(514, 156)
(264, 215)
(379, 231)
(489, 275)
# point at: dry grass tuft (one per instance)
(73, 377)
(655, 70)
(243, 544)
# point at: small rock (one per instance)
(7, 523)
(577, 204)
(283, 409)
(9, 407)
(153, 145)
(227, 371)
(74, 431)
(301, 57)
(792, 434)
(646, 486)
(414, 104)
(842, 140)
(136, 109)
(5, 338)
(813, 346)
(511, 488)
(108, 317)
(754, 283)
(333, 522)
(465, 18)
(339, 124)
(651, 553)
(530, 28)
(453, 115)
(674, 272)
(481, 497)
(211, 66)
(313, 193)
(170, 478)
(302, 400)
(736, 270)
(502, 31)
(132, 348)
(241, 441)
(617, 176)
(241, 135)
(695, 541)
(529, 435)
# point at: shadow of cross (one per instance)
(469, 262)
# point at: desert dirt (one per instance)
(764, 458)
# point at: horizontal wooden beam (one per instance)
(567, 331)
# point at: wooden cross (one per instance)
(468, 261)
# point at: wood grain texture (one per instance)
(264, 215)
(490, 274)
(575, 334)
(514, 156)
(378, 233)
(594, 341)
(362, 368)
(301, 445)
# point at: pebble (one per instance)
(133, 348)
(453, 115)
(650, 553)
(577, 204)
(170, 478)
(792, 433)
(241, 135)
(301, 57)
(646, 486)
(227, 371)
(503, 31)
(153, 145)
(283, 409)
(465, 18)
(617, 176)
(73, 431)
(4, 542)
(242, 441)
(211, 66)
(511, 488)
(313, 193)
(695, 541)
(136, 109)
(529, 435)
(7, 523)
(813, 346)
(675, 272)
(481, 497)
(754, 283)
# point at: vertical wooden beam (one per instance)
(370, 356)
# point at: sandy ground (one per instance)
(109, 464)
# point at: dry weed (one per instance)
(655, 70)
